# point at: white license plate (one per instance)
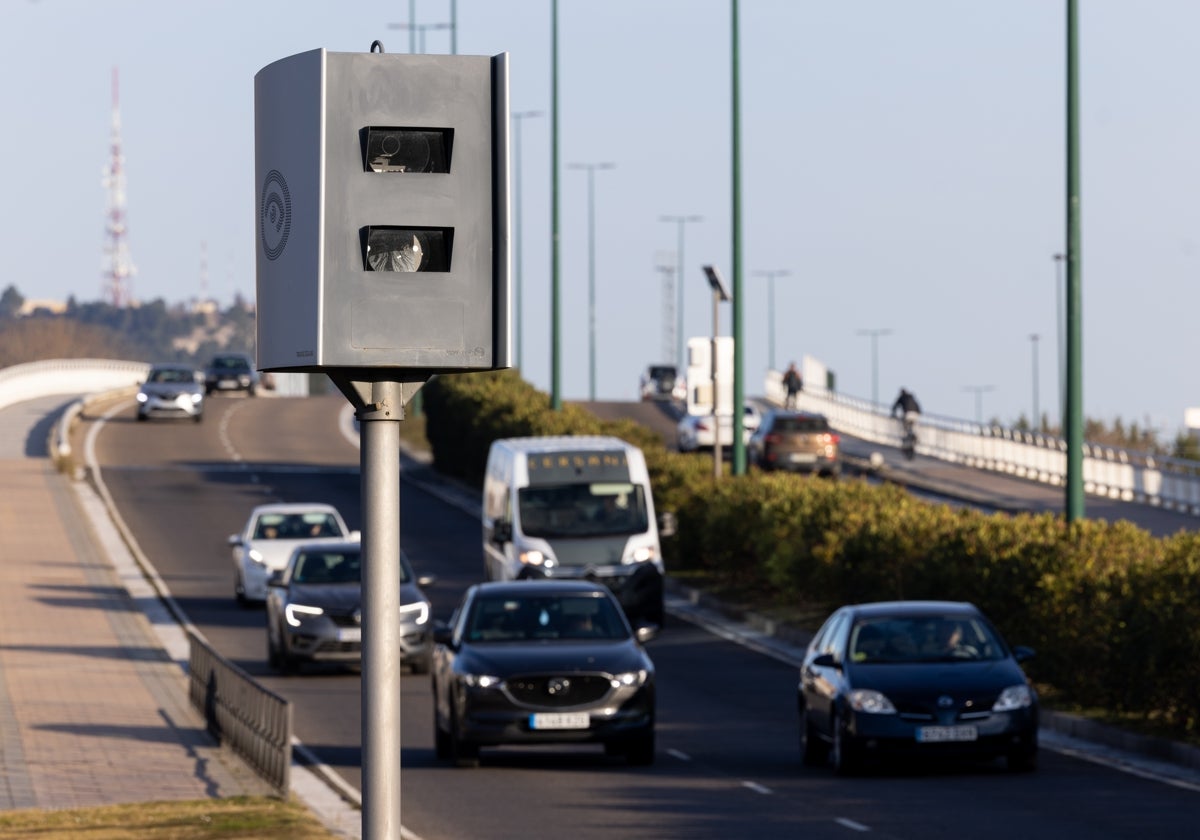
(560, 720)
(802, 458)
(942, 734)
(227, 384)
(349, 634)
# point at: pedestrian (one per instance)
(793, 383)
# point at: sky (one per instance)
(903, 163)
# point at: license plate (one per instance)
(942, 734)
(802, 458)
(560, 720)
(227, 384)
(349, 634)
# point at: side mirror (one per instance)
(442, 633)
(646, 632)
(1021, 653)
(355, 536)
(426, 580)
(667, 524)
(825, 660)
(276, 578)
(502, 531)
(235, 539)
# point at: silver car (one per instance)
(171, 391)
(314, 610)
(271, 533)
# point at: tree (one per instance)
(11, 302)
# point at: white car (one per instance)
(696, 431)
(270, 535)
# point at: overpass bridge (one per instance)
(1108, 472)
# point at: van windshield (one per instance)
(582, 510)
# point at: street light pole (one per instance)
(680, 336)
(771, 275)
(979, 390)
(518, 117)
(1037, 423)
(874, 334)
(555, 248)
(591, 168)
(1062, 376)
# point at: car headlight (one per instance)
(292, 613)
(141, 397)
(256, 556)
(197, 397)
(534, 557)
(418, 612)
(645, 554)
(870, 702)
(1012, 698)
(630, 678)
(480, 681)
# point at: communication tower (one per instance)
(118, 268)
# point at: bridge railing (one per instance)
(1108, 471)
(67, 376)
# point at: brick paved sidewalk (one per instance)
(92, 710)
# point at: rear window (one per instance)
(801, 424)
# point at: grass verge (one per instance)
(241, 817)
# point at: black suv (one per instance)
(231, 372)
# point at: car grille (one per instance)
(343, 619)
(962, 708)
(559, 690)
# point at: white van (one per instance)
(574, 507)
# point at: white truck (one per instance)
(575, 507)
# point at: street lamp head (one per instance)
(716, 282)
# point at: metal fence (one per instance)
(253, 721)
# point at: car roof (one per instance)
(897, 608)
(538, 587)
(293, 507)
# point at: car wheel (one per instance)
(420, 664)
(198, 417)
(814, 750)
(239, 591)
(441, 738)
(463, 752)
(141, 417)
(1022, 759)
(252, 391)
(639, 750)
(272, 651)
(846, 752)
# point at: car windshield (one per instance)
(578, 510)
(575, 617)
(801, 424)
(925, 638)
(328, 567)
(230, 364)
(296, 526)
(171, 375)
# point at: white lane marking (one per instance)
(851, 824)
(223, 433)
(682, 756)
(757, 788)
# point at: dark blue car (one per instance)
(915, 678)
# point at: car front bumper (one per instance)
(997, 734)
(489, 718)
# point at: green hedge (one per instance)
(1113, 612)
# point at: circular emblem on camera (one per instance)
(275, 214)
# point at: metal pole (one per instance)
(1060, 335)
(681, 361)
(518, 117)
(591, 173)
(739, 445)
(874, 334)
(1037, 423)
(771, 275)
(979, 391)
(412, 26)
(1074, 422)
(555, 259)
(716, 417)
(380, 465)
(453, 27)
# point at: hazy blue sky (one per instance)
(905, 162)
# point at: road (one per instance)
(727, 763)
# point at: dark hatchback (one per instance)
(231, 372)
(542, 662)
(915, 678)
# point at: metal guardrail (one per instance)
(253, 721)
(67, 376)
(1110, 472)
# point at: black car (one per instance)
(915, 678)
(231, 372)
(542, 662)
(314, 609)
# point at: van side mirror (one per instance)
(502, 531)
(667, 524)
